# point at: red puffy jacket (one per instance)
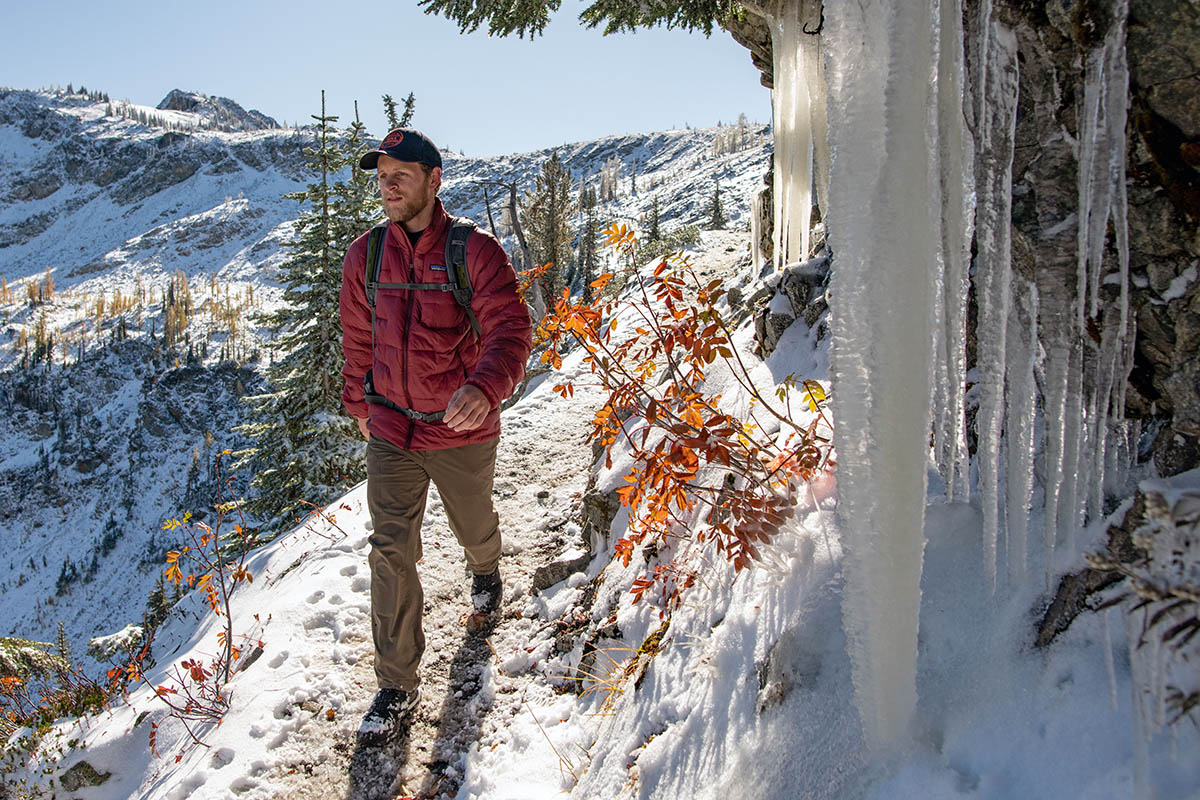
(424, 348)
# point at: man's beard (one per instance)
(408, 208)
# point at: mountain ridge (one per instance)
(105, 211)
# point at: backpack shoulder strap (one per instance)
(461, 229)
(375, 239)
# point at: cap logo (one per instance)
(394, 138)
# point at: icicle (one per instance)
(1090, 135)
(813, 53)
(1057, 327)
(980, 40)
(1142, 729)
(1020, 392)
(958, 207)
(1108, 659)
(1073, 433)
(881, 69)
(756, 254)
(1102, 198)
(993, 270)
(793, 133)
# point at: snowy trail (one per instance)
(474, 686)
(296, 704)
(542, 467)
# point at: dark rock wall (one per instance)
(1163, 185)
(1163, 52)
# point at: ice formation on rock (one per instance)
(995, 128)
(798, 120)
(885, 299)
(905, 192)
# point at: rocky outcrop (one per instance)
(81, 775)
(797, 294)
(218, 112)
(1077, 591)
(1163, 185)
(750, 30)
(1163, 52)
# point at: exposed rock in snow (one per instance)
(218, 112)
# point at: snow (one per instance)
(876, 652)
(1179, 284)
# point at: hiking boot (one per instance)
(485, 592)
(386, 717)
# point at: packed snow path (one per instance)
(296, 704)
(542, 467)
(471, 684)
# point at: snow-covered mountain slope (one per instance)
(746, 693)
(99, 214)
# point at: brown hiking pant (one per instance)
(397, 483)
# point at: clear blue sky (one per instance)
(479, 95)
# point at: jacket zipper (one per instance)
(412, 278)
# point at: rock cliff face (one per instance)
(1163, 186)
(1163, 52)
(69, 160)
(96, 454)
(218, 112)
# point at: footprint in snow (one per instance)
(277, 661)
(316, 597)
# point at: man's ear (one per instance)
(435, 179)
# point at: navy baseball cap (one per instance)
(404, 144)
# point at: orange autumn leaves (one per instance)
(689, 455)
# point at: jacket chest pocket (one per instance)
(439, 322)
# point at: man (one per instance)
(430, 409)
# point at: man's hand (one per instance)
(467, 408)
(362, 426)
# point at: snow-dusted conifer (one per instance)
(305, 448)
(545, 216)
(715, 211)
(410, 107)
(20, 658)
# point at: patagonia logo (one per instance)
(437, 267)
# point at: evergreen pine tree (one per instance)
(546, 217)
(410, 107)
(589, 261)
(389, 110)
(305, 447)
(653, 228)
(716, 213)
(504, 18)
(157, 605)
(403, 119)
(62, 647)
